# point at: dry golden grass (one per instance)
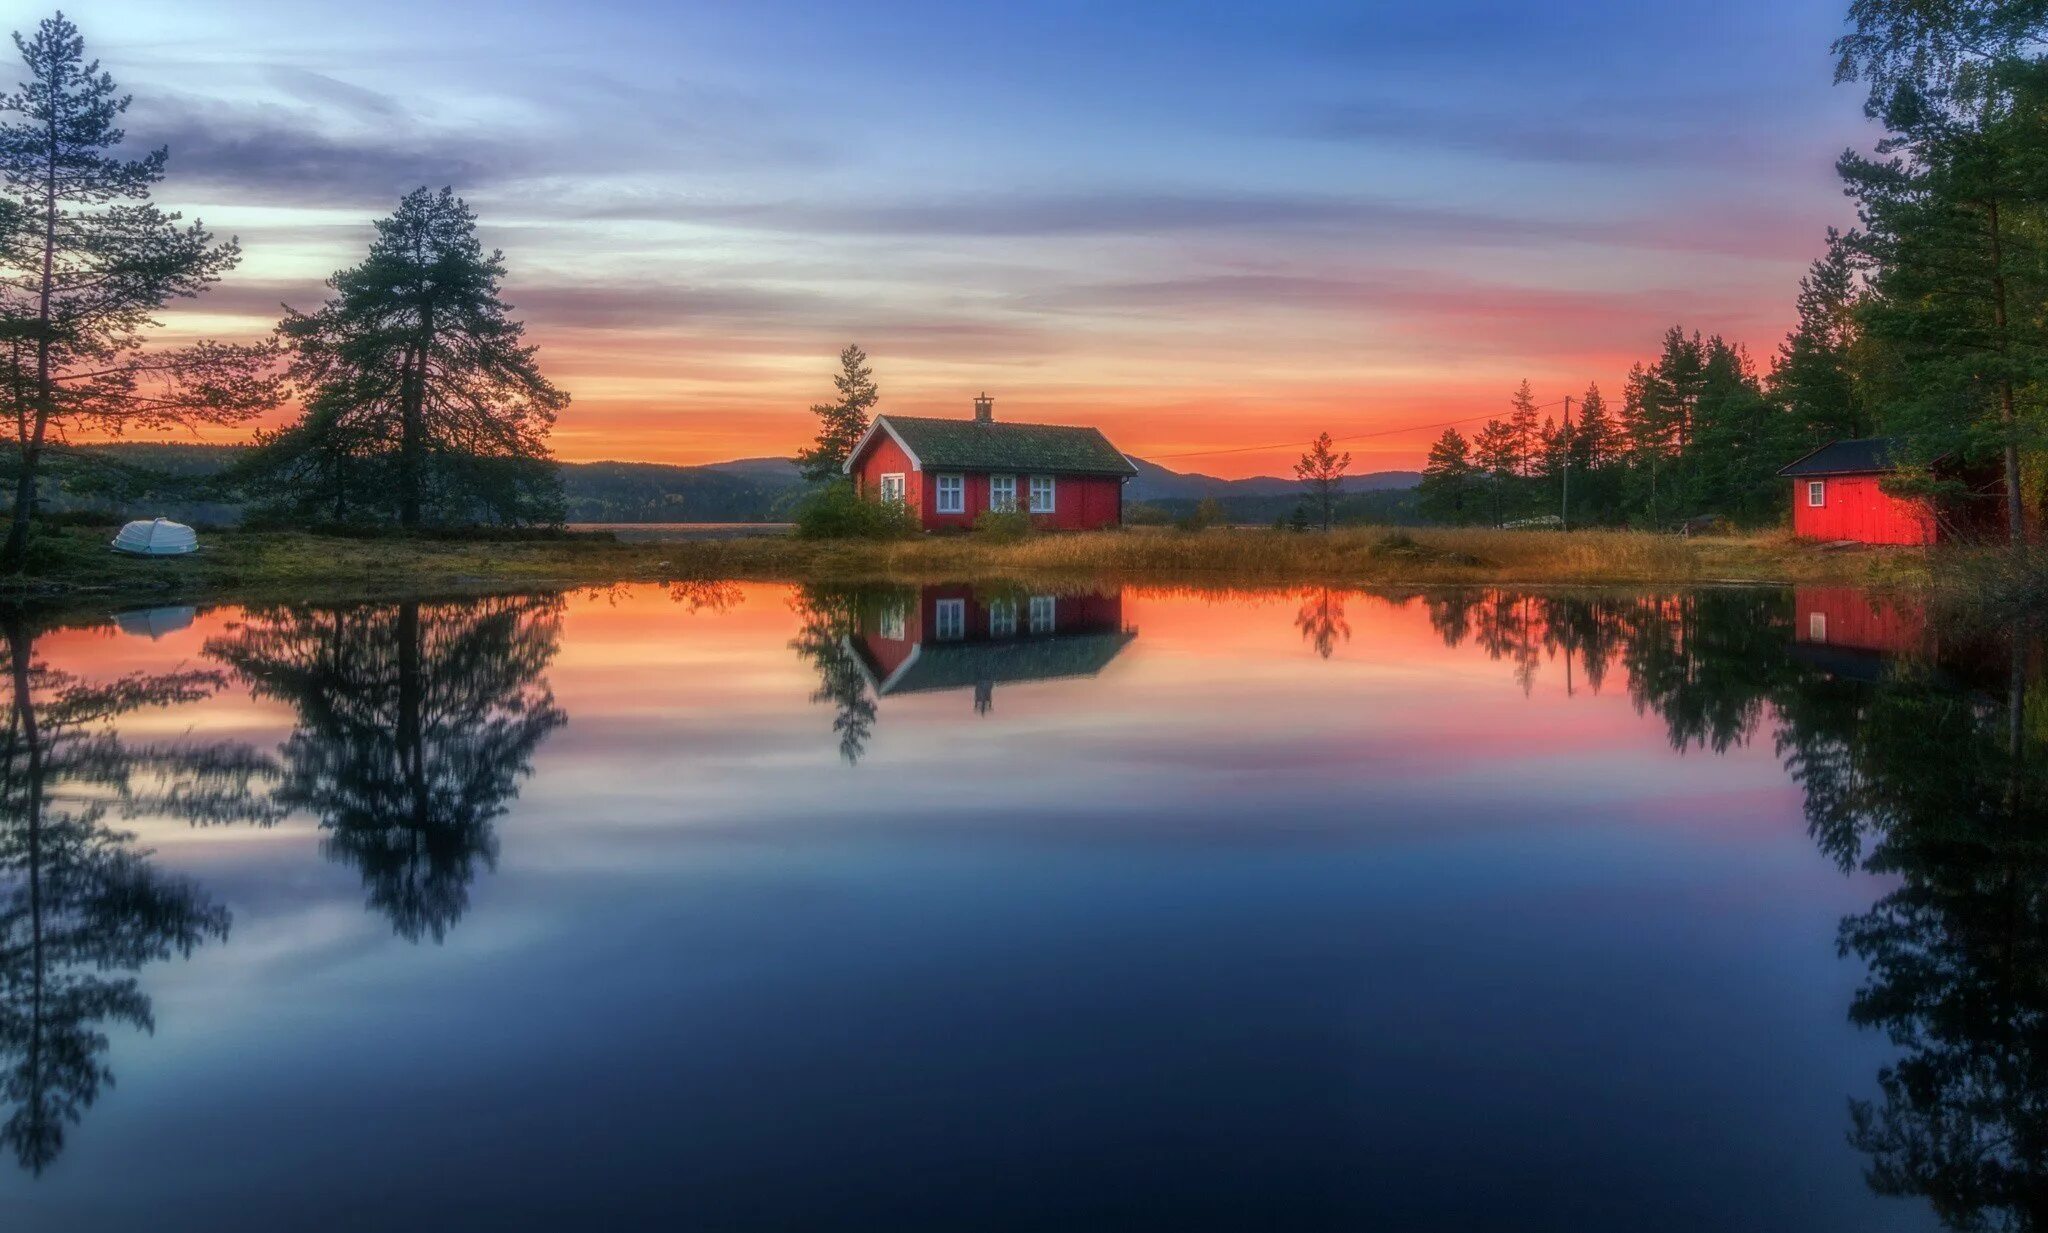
(292, 566)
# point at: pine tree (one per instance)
(1321, 472)
(86, 263)
(1952, 233)
(841, 424)
(1528, 437)
(418, 386)
(1593, 435)
(1815, 376)
(1447, 488)
(1496, 454)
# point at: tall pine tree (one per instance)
(423, 399)
(86, 262)
(841, 423)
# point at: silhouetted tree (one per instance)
(423, 399)
(842, 421)
(1321, 472)
(85, 263)
(1321, 620)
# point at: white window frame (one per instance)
(894, 623)
(1816, 494)
(949, 619)
(952, 494)
(1051, 491)
(1002, 493)
(1044, 613)
(895, 480)
(1002, 618)
(1816, 627)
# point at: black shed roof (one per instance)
(1866, 456)
(968, 445)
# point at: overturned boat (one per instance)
(156, 537)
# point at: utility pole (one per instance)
(1564, 514)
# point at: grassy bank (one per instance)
(75, 562)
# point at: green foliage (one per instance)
(836, 511)
(1321, 472)
(841, 423)
(1450, 490)
(1208, 512)
(1003, 526)
(86, 264)
(424, 404)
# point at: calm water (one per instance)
(739, 907)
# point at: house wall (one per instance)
(883, 457)
(1080, 503)
(1858, 509)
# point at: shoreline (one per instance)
(73, 566)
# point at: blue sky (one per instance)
(1196, 225)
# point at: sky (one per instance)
(1200, 227)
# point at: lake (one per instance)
(744, 906)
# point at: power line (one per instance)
(1356, 436)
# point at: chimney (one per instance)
(984, 409)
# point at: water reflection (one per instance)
(413, 726)
(81, 909)
(416, 722)
(880, 642)
(1920, 759)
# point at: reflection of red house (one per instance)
(1851, 633)
(1838, 494)
(948, 637)
(952, 471)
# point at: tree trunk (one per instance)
(15, 554)
(412, 440)
(2008, 419)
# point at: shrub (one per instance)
(1003, 526)
(1146, 514)
(836, 511)
(1210, 513)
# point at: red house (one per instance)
(1837, 494)
(952, 471)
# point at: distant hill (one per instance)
(1157, 483)
(743, 490)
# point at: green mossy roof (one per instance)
(964, 445)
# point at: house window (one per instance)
(892, 488)
(1817, 493)
(952, 494)
(1002, 618)
(1042, 609)
(1041, 494)
(949, 619)
(1816, 627)
(892, 622)
(1002, 493)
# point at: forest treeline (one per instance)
(1927, 322)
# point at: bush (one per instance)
(1210, 513)
(836, 511)
(1146, 514)
(1003, 526)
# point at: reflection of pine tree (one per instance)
(826, 619)
(1321, 620)
(80, 910)
(415, 723)
(1951, 797)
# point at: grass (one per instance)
(75, 563)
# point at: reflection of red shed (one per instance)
(1838, 494)
(949, 637)
(1856, 620)
(951, 471)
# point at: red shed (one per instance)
(951, 471)
(1837, 494)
